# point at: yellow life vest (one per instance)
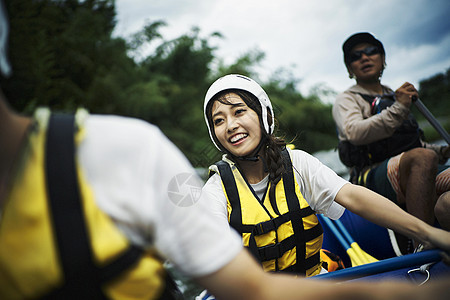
(287, 242)
(56, 245)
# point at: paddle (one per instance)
(365, 257)
(427, 114)
(357, 255)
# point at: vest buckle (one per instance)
(264, 227)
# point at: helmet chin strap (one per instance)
(254, 156)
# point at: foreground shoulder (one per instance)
(213, 182)
(119, 124)
(122, 130)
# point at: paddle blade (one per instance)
(354, 258)
(364, 256)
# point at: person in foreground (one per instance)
(118, 215)
(381, 142)
(270, 194)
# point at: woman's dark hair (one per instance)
(273, 145)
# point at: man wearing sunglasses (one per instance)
(381, 142)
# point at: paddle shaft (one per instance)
(344, 231)
(336, 233)
(427, 114)
(363, 256)
(356, 260)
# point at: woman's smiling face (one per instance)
(236, 126)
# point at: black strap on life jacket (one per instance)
(82, 278)
(295, 215)
(404, 138)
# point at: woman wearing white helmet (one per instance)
(270, 194)
(257, 173)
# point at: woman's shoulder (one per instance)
(302, 160)
(298, 153)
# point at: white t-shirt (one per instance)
(318, 185)
(149, 189)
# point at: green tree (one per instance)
(177, 75)
(243, 65)
(63, 55)
(303, 121)
(435, 94)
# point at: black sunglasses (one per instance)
(369, 51)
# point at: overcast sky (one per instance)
(305, 37)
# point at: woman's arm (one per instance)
(385, 213)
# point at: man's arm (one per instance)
(356, 124)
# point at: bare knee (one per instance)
(417, 175)
(442, 210)
(419, 159)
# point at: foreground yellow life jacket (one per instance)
(55, 243)
(288, 241)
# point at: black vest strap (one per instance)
(309, 263)
(295, 214)
(229, 183)
(405, 137)
(272, 224)
(82, 278)
(368, 98)
(277, 250)
(294, 205)
(236, 213)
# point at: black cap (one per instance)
(358, 38)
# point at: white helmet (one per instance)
(240, 82)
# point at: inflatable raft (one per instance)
(385, 252)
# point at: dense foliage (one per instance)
(435, 94)
(65, 56)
